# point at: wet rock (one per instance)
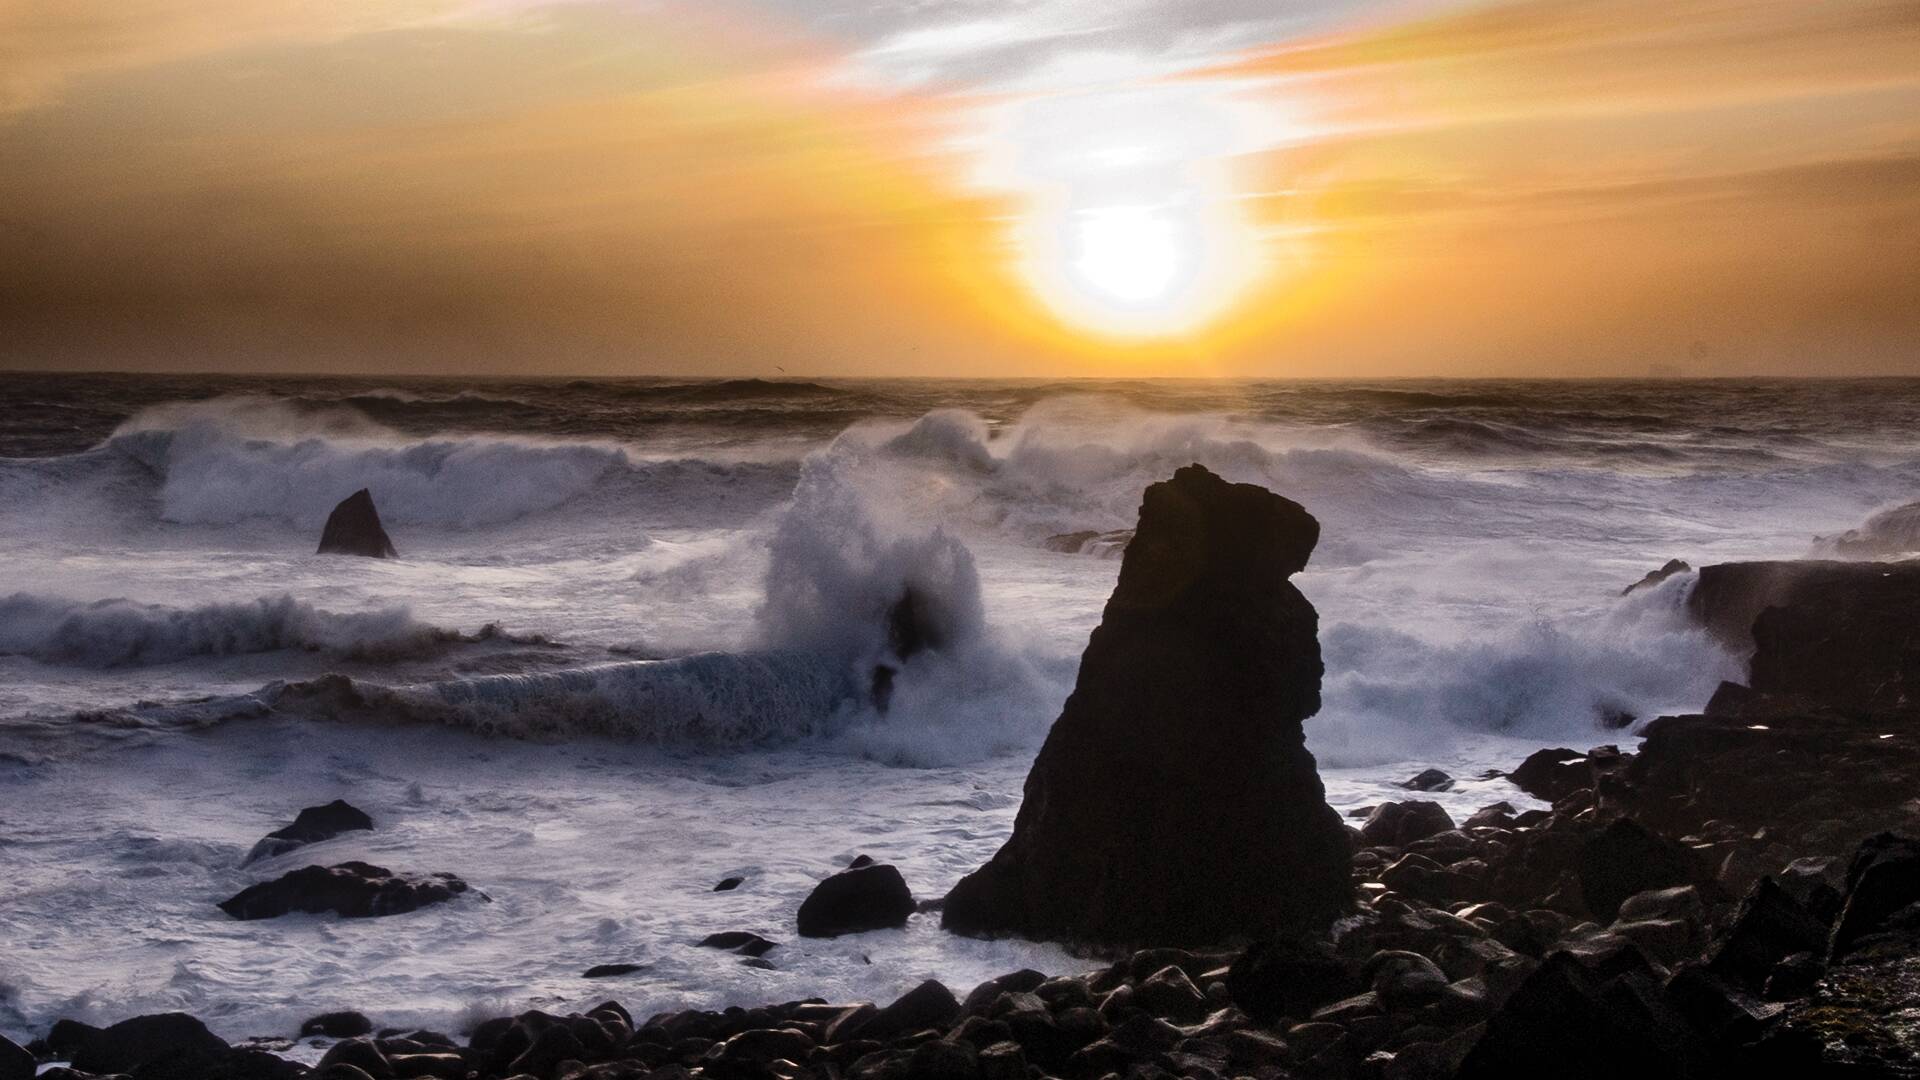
(1497, 816)
(1403, 980)
(360, 1054)
(1624, 859)
(1552, 774)
(1205, 664)
(1839, 633)
(310, 826)
(929, 1005)
(337, 1025)
(1169, 994)
(1397, 824)
(867, 896)
(740, 941)
(609, 971)
(729, 884)
(15, 1062)
(352, 889)
(1769, 926)
(1564, 1023)
(129, 1044)
(1655, 577)
(1428, 780)
(1882, 889)
(354, 529)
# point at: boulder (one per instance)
(1655, 577)
(1397, 824)
(1769, 927)
(310, 826)
(929, 1005)
(1625, 858)
(1175, 802)
(870, 896)
(129, 1044)
(740, 941)
(1883, 887)
(1428, 780)
(353, 889)
(1552, 774)
(337, 1025)
(15, 1062)
(1837, 633)
(354, 529)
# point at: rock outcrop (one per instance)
(1174, 801)
(354, 529)
(1894, 532)
(1835, 634)
(1655, 577)
(356, 890)
(310, 826)
(865, 896)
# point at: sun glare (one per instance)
(1131, 228)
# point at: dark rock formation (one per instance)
(1428, 780)
(15, 1062)
(337, 1025)
(729, 884)
(1840, 634)
(353, 889)
(310, 826)
(1103, 545)
(1397, 824)
(740, 941)
(1655, 577)
(869, 896)
(1175, 801)
(1551, 774)
(354, 529)
(609, 971)
(1624, 859)
(129, 1044)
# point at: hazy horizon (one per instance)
(1000, 188)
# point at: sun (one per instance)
(1132, 227)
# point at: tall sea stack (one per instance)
(354, 529)
(1175, 802)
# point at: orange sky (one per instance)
(996, 187)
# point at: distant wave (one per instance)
(121, 633)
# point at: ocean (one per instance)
(623, 653)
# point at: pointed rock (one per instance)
(354, 529)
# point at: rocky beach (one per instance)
(1735, 893)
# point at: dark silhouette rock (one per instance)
(354, 529)
(1551, 774)
(310, 826)
(1625, 858)
(740, 941)
(1428, 780)
(1769, 927)
(1397, 824)
(729, 884)
(353, 889)
(929, 1005)
(1572, 1023)
(15, 1062)
(1655, 577)
(1841, 634)
(1883, 885)
(1174, 801)
(337, 1025)
(869, 896)
(129, 1044)
(1285, 978)
(608, 971)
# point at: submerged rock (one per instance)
(1174, 801)
(310, 826)
(353, 889)
(866, 896)
(354, 529)
(1655, 577)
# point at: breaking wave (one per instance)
(122, 633)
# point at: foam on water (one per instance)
(721, 564)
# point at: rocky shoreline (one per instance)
(1735, 896)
